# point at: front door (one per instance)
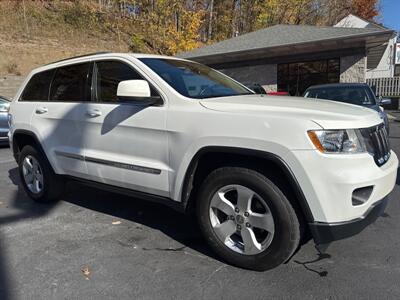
(125, 142)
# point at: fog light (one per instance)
(361, 195)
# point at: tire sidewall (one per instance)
(281, 246)
(47, 174)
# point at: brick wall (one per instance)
(9, 85)
(353, 68)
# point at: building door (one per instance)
(295, 78)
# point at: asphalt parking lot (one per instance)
(98, 245)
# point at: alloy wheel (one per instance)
(33, 174)
(241, 219)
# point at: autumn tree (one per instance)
(367, 9)
(170, 26)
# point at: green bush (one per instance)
(137, 44)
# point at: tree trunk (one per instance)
(210, 21)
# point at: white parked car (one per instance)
(259, 172)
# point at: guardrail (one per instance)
(385, 87)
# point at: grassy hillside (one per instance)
(33, 33)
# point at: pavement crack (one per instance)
(165, 249)
(208, 279)
(321, 256)
(213, 273)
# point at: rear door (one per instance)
(126, 142)
(60, 119)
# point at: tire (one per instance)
(274, 244)
(50, 187)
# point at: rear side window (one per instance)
(109, 74)
(72, 84)
(37, 88)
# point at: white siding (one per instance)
(385, 67)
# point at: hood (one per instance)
(327, 114)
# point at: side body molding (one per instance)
(191, 170)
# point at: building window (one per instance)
(397, 70)
(295, 78)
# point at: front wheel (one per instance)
(246, 219)
(37, 177)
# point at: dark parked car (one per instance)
(4, 106)
(353, 93)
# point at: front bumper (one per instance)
(325, 233)
(329, 182)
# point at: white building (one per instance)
(386, 66)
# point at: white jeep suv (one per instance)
(259, 172)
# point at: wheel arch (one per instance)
(221, 155)
(23, 137)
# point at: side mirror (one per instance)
(137, 91)
(384, 101)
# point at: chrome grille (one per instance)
(377, 141)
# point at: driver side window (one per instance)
(108, 75)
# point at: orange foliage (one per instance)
(367, 9)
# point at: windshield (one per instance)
(358, 95)
(195, 80)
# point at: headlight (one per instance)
(4, 107)
(338, 141)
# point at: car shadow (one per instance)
(119, 114)
(22, 204)
(20, 207)
(178, 226)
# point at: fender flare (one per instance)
(190, 172)
(30, 134)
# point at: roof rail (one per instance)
(79, 56)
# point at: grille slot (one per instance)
(377, 143)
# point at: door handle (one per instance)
(41, 110)
(93, 113)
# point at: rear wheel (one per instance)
(246, 219)
(37, 176)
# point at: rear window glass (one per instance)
(72, 84)
(37, 88)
